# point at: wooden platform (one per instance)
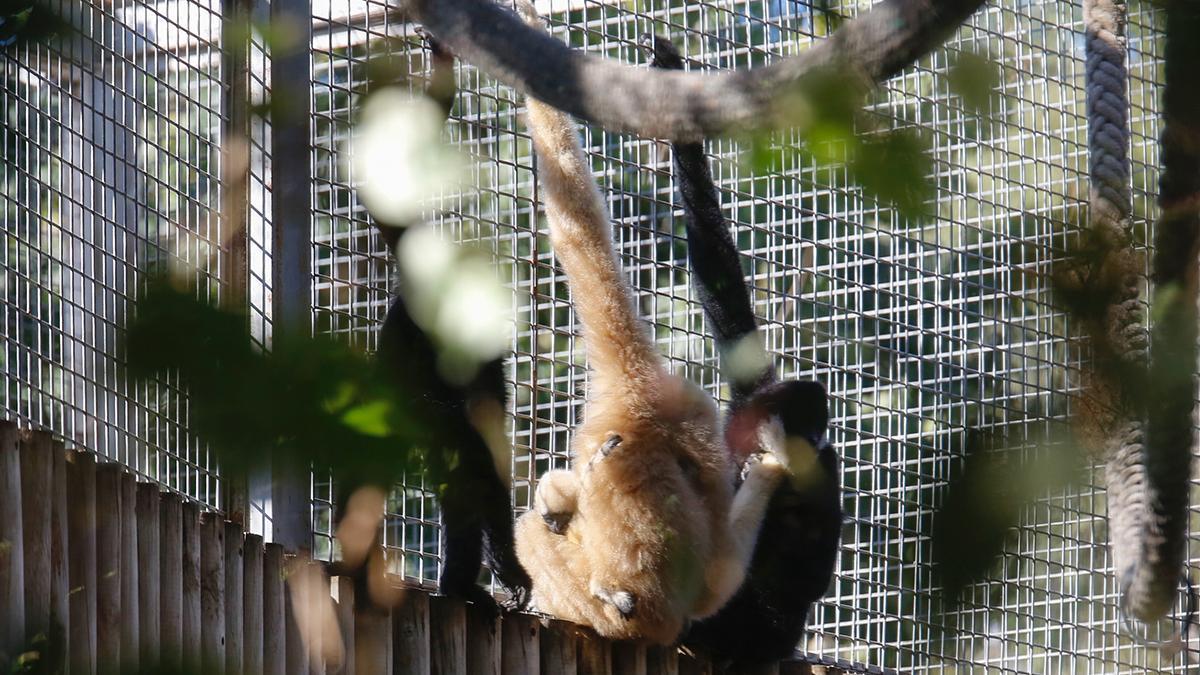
(110, 574)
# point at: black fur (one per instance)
(797, 546)
(476, 509)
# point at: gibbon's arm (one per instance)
(716, 271)
(618, 344)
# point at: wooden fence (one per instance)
(101, 573)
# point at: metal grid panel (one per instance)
(921, 330)
(111, 167)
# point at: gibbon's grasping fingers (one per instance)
(648, 511)
(797, 545)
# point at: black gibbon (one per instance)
(644, 533)
(797, 547)
(475, 500)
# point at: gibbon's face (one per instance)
(801, 406)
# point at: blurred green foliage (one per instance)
(984, 499)
(316, 400)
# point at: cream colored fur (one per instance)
(650, 526)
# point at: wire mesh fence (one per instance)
(922, 329)
(111, 148)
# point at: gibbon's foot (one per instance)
(606, 448)
(516, 601)
(477, 596)
(624, 601)
(555, 499)
(662, 52)
(436, 47)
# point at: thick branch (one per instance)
(685, 106)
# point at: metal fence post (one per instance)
(291, 175)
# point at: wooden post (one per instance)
(410, 635)
(595, 656)
(12, 544)
(483, 642)
(81, 525)
(60, 577)
(274, 640)
(447, 636)
(171, 578)
(795, 668)
(253, 598)
(373, 640)
(343, 589)
(149, 574)
(234, 599)
(191, 587)
(212, 594)
(519, 650)
(130, 609)
(628, 657)
(557, 649)
(296, 649)
(37, 498)
(690, 665)
(662, 661)
(108, 568)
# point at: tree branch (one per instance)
(686, 106)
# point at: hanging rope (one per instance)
(1147, 465)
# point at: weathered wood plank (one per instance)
(81, 525)
(483, 641)
(12, 543)
(797, 668)
(37, 505)
(690, 665)
(108, 568)
(294, 644)
(149, 574)
(212, 594)
(628, 657)
(60, 577)
(170, 576)
(447, 636)
(343, 592)
(595, 654)
(191, 587)
(234, 599)
(274, 636)
(519, 645)
(130, 609)
(253, 597)
(662, 661)
(410, 635)
(557, 648)
(373, 640)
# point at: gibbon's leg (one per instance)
(488, 450)
(549, 555)
(556, 498)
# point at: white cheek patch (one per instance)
(774, 441)
(793, 453)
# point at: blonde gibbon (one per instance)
(644, 533)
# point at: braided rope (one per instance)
(1146, 532)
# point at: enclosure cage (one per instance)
(923, 329)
